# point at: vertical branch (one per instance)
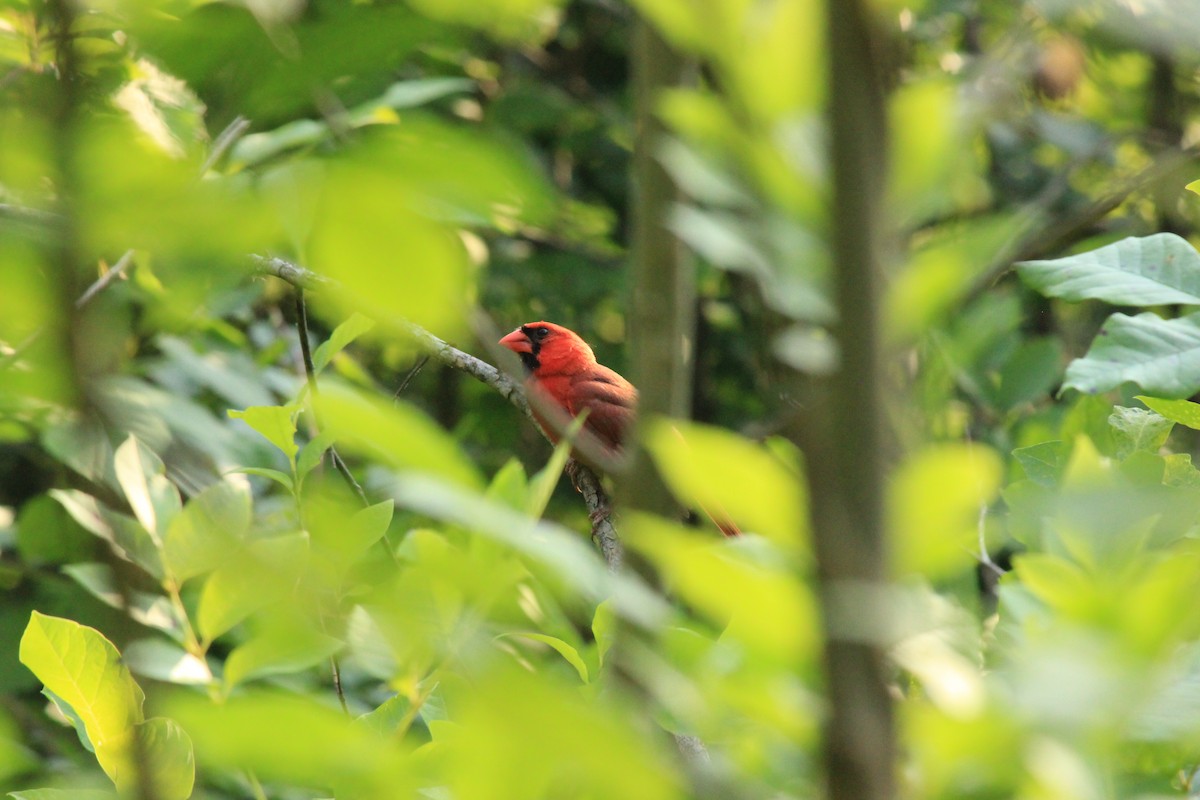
(844, 436)
(63, 262)
(662, 314)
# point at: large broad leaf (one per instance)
(1162, 356)
(263, 572)
(279, 649)
(1148, 271)
(296, 740)
(85, 671)
(730, 478)
(934, 502)
(396, 433)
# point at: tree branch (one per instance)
(604, 533)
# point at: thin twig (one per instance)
(337, 683)
(106, 279)
(412, 373)
(310, 372)
(225, 140)
(985, 558)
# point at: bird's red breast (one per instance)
(563, 372)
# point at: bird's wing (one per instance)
(610, 400)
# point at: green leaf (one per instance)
(418, 92)
(1044, 462)
(155, 501)
(47, 534)
(1185, 412)
(934, 503)
(342, 335)
(262, 573)
(296, 740)
(1148, 271)
(206, 531)
(276, 424)
(1161, 356)
(729, 478)
(312, 452)
(1138, 429)
(151, 610)
(389, 260)
(604, 629)
(278, 650)
(562, 648)
(367, 527)
(282, 478)
(744, 586)
(1030, 373)
(509, 485)
(541, 485)
(129, 539)
(167, 749)
(166, 662)
(84, 669)
(389, 717)
(63, 794)
(395, 433)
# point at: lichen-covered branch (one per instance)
(604, 533)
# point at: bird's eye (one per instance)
(540, 333)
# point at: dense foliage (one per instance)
(197, 602)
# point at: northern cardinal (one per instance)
(563, 375)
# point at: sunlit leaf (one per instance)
(84, 669)
(750, 593)
(342, 336)
(394, 433)
(569, 653)
(142, 476)
(520, 735)
(261, 574)
(276, 424)
(278, 648)
(129, 539)
(1184, 412)
(729, 478)
(203, 534)
(935, 502)
(151, 610)
(282, 478)
(164, 661)
(294, 740)
(167, 752)
(391, 263)
(311, 454)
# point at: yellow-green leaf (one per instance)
(85, 671)
(935, 500)
(729, 478)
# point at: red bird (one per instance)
(564, 376)
(563, 372)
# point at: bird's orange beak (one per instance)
(518, 342)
